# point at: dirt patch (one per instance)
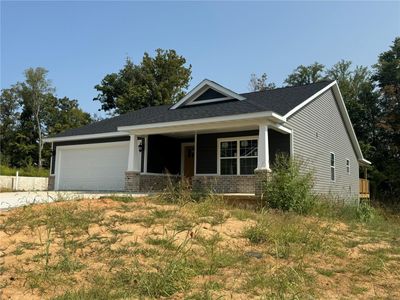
(92, 243)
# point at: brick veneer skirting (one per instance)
(261, 177)
(132, 181)
(136, 182)
(225, 183)
(156, 183)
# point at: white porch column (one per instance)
(134, 154)
(263, 148)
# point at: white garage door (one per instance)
(99, 167)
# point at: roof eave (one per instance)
(84, 137)
(271, 116)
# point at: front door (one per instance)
(188, 161)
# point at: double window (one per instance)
(237, 156)
(333, 175)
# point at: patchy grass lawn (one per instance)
(142, 248)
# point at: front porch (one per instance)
(221, 160)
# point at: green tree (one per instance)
(30, 111)
(260, 83)
(155, 81)
(35, 94)
(361, 99)
(306, 74)
(9, 115)
(66, 114)
(387, 158)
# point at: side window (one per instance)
(333, 175)
(348, 166)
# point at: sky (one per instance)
(80, 42)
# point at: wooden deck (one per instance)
(364, 188)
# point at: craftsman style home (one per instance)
(221, 140)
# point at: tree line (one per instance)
(30, 110)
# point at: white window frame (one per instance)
(348, 166)
(332, 166)
(238, 157)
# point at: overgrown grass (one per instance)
(29, 171)
(198, 250)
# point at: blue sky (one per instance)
(80, 42)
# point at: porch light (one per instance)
(141, 147)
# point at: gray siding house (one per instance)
(221, 140)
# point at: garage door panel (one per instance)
(95, 167)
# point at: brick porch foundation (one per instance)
(224, 184)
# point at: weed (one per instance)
(281, 283)
(165, 243)
(325, 272)
(257, 234)
(161, 214)
(18, 251)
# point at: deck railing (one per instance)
(364, 188)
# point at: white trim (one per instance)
(57, 169)
(191, 103)
(160, 174)
(292, 144)
(364, 162)
(91, 145)
(51, 161)
(85, 136)
(237, 140)
(195, 153)
(191, 122)
(183, 145)
(80, 146)
(211, 174)
(201, 87)
(334, 166)
(280, 128)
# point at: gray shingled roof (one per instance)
(280, 101)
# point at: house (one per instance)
(218, 138)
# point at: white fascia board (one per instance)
(84, 137)
(204, 85)
(364, 162)
(308, 100)
(280, 128)
(267, 114)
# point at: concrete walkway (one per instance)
(16, 199)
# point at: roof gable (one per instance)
(207, 91)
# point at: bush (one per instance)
(287, 188)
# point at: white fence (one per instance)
(22, 183)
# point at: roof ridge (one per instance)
(289, 87)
